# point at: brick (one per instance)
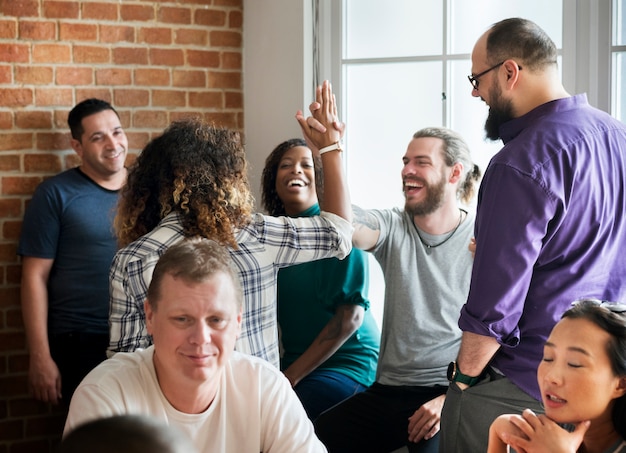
(236, 3)
(225, 80)
(10, 341)
(99, 11)
(117, 33)
(130, 56)
(92, 92)
(74, 75)
(11, 229)
(29, 446)
(10, 207)
(177, 116)
(9, 163)
(203, 58)
(136, 140)
(6, 74)
(37, 30)
(210, 17)
(42, 163)
(45, 426)
(60, 10)
(20, 8)
(34, 119)
(137, 12)
(14, 275)
(14, 321)
(53, 141)
(152, 119)
(210, 99)
(53, 96)
(6, 120)
(181, 78)
(174, 15)
(235, 19)
(78, 32)
(13, 141)
(16, 97)
(186, 36)
(51, 53)
(19, 185)
(10, 295)
(167, 57)
(169, 98)
(131, 98)
(33, 75)
(14, 53)
(113, 76)
(155, 35)
(233, 100)
(22, 407)
(232, 60)
(223, 119)
(152, 77)
(11, 429)
(8, 29)
(225, 39)
(91, 54)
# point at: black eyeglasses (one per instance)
(473, 79)
(615, 307)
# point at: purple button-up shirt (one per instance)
(550, 229)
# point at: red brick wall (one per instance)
(155, 61)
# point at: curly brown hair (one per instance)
(269, 197)
(195, 169)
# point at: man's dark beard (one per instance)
(500, 112)
(433, 200)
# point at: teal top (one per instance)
(308, 295)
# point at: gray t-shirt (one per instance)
(424, 291)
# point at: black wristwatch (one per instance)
(455, 375)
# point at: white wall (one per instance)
(277, 63)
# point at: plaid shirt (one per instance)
(265, 245)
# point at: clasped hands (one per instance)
(323, 127)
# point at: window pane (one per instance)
(385, 105)
(470, 19)
(377, 28)
(619, 23)
(618, 109)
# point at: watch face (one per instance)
(451, 371)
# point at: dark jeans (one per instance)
(376, 420)
(322, 389)
(76, 354)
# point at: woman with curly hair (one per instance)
(329, 337)
(192, 181)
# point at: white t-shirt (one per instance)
(255, 409)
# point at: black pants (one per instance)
(376, 420)
(76, 354)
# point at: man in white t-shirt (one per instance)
(191, 377)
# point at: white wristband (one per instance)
(334, 146)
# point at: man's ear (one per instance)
(77, 147)
(455, 174)
(147, 308)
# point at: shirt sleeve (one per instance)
(344, 282)
(513, 216)
(287, 428)
(41, 226)
(128, 290)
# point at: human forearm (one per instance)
(347, 319)
(34, 300)
(475, 353)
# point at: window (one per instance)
(400, 65)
